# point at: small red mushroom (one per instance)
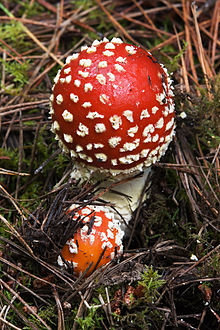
(112, 107)
(95, 243)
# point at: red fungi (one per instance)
(112, 107)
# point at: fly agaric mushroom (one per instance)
(96, 243)
(112, 107)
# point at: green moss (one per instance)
(174, 63)
(211, 267)
(29, 123)
(209, 115)
(19, 71)
(4, 232)
(163, 216)
(47, 314)
(140, 312)
(103, 25)
(9, 159)
(30, 10)
(83, 4)
(91, 321)
(151, 282)
(13, 33)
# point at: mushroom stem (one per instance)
(125, 197)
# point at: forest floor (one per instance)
(168, 276)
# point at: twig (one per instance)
(9, 324)
(16, 234)
(61, 318)
(24, 303)
(113, 20)
(204, 63)
(200, 260)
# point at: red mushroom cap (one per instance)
(112, 107)
(96, 242)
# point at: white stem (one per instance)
(125, 196)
